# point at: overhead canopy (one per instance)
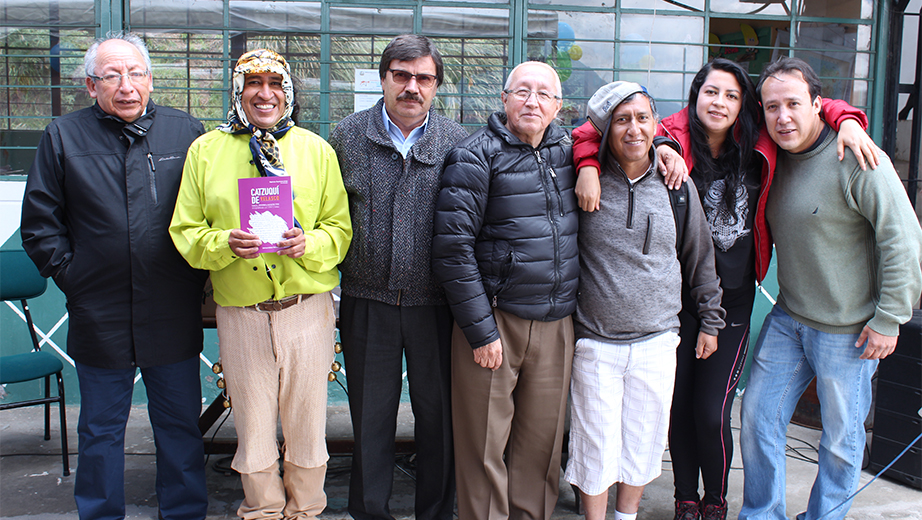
(260, 16)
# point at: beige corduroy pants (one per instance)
(276, 365)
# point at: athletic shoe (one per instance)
(714, 511)
(687, 510)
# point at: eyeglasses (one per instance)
(403, 77)
(116, 79)
(521, 95)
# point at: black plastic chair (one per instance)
(19, 280)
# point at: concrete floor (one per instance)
(32, 486)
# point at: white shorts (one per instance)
(622, 394)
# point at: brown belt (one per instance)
(278, 305)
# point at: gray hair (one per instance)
(533, 62)
(89, 59)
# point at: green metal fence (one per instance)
(659, 43)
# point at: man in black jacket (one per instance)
(95, 217)
(505, 251)
(391, 159)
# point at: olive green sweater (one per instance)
(848, 243)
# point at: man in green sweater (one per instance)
(849, 249)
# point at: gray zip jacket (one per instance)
(631, 272)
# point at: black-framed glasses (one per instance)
(135, 77)
(521, 95)
(403, 77)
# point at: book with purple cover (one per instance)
(266, 209)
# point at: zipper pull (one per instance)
(494, 301)
(538, 156)
(557, 189)
(150, 160)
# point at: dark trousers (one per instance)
(375, 336)
(174, 397)
(700, 440)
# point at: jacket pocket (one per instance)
(648, 238)
(505, 260)
(60, 278)
(152, 169)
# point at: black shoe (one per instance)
(688, 511)
(714, 511)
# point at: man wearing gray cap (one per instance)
(635, 254)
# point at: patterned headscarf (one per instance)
(263, 144)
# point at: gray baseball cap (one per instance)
(604, 101)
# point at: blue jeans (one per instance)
(787, 356)
(174, 403)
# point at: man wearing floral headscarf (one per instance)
(275, 314)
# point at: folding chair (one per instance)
(19, 280)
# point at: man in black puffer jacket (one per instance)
(505, 251)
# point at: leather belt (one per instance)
(278, 305)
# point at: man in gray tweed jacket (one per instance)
(391, 160)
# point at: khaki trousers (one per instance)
(276, 365)
(265, 493)
(517, 410)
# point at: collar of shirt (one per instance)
(403, 144)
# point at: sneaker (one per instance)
(714, 511)
(687, 511)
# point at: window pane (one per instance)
(474, 23)
(474, 77)
(41, 76)
(370, 20)
(48, 12)
(176, 13)
(760, 7)
(274, 16)
(41, 82)
(505, 2)
(680, 29)
(839, 8)
(565, 40)
(734, 41)
(189, 73)
(670, 90)
(351, 53)
(683, 5)
(831, 50)
(585, 3)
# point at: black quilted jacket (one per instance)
(505, 229)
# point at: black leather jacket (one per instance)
(95, 216)
(505, 229)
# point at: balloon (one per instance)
(576, 52)
(565, 36)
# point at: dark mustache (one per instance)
(410, 96)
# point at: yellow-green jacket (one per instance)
(208, 208)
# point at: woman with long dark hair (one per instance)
(731, 159)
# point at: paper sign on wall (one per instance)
(367, 80)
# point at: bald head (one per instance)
(531, 100)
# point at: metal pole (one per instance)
(912, 184)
